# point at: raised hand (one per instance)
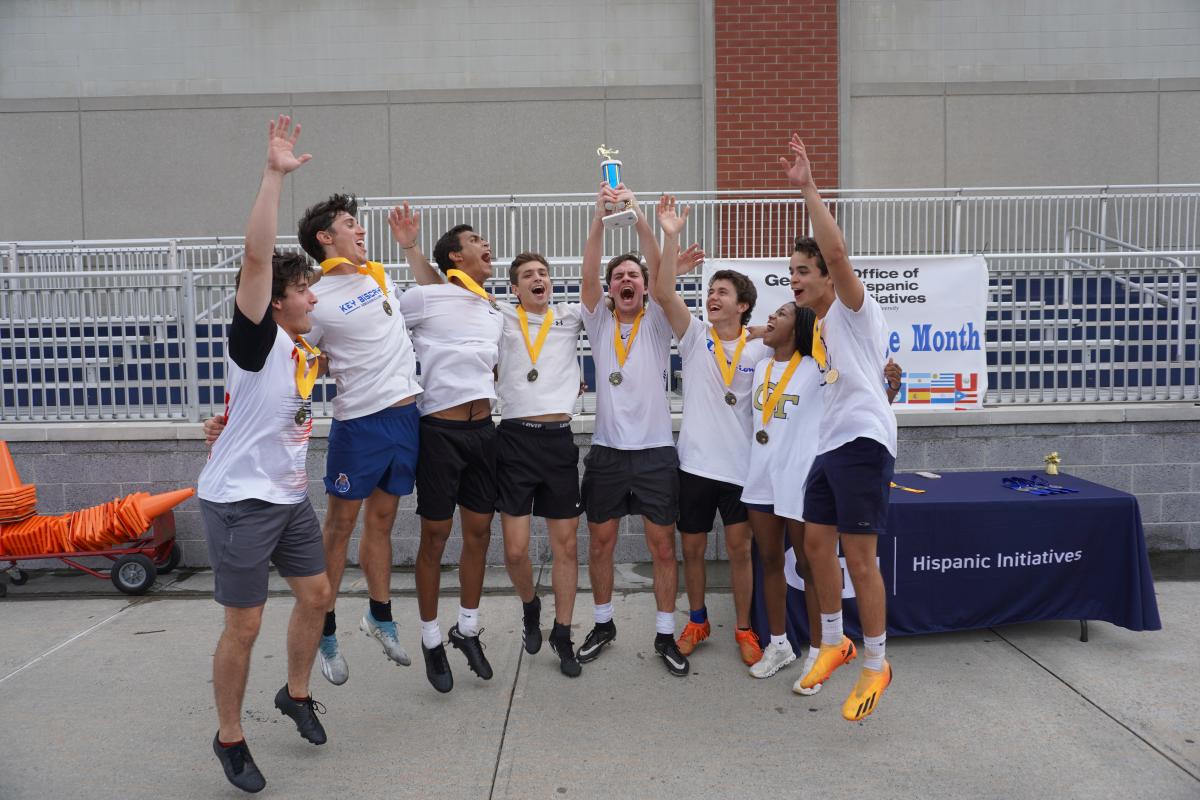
(281, 144)
(689, 259)
(892, 373)
(670, 217)
(405, 224)
(799, 171)
(606, 201)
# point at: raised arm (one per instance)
(825, 228)
(254, 285)
(671, 220)
(591, 291)
(647, 241)
(406, 227)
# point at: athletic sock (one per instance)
(831, 629)
(664, 622)
(227, 745)
(431, 634)
(468, 621)
(814, 650)
(330, 624)
(699, 615)
(779, 641)
(603, 613)
(382, 612)
(875, 646)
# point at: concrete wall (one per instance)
(1151, 453)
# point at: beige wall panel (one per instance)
(1179, 144)
(39, 176)
(895, 142)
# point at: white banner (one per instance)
(936, 307)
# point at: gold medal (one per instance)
(619, 345)
(306, 376)
(301, 415)
(771, 398)
(728, 367)
(471, 286)
(534, 348)
(615, 378)
(762, 437)
(372, 268)
(730, 399)
(532, 375)
(832, 375)
(387, 308)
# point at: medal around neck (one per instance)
(301, 415)
(532, 375)
(730, 399)
(762, 437)
(610, 173)
(615, 378)
(832, 375)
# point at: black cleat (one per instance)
(437, 668)
(472, 648)
(604, 633)
(239, 766)
(303, 713)
(677, 663)
(531, 634)
(564, 648)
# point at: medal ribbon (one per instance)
(728, 368)
(772, 398)
(306, 377)
(372, 268)
(469, 284)
(818, 347)
(536, 347)
(618, 343)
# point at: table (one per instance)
(970, 553)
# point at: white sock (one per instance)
(603, 613)
(814, 650)
(831, 629)
(780, 642)
(468, 621)
(664, 622)
(431, 634)
(875, 645)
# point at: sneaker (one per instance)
(865, 697)
(531, 633)
(239, 766)
(602, 634)
(385, 634)
(472, 648)
(774, 658)
(437, 668)
(692, 635)
(747, 642)
(798, 686)
(333, 663)
(303, 713)
(564, 648)
(676, 663)
(830, 658)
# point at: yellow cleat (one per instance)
(865, 697)
(747, 643)
(692, 635)
(830, 658)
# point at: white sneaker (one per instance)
(773, 659)
(809, 660)
(333, 663)
(385, 634)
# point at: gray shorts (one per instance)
(244, 536)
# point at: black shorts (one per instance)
(539, 470)
(701, 498)
(456, 466)
(617, 483)
(850, 487)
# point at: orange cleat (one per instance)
(692, 635)
(748, 644)
(829, 658)
(865, 697)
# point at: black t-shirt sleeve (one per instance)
(250, 344)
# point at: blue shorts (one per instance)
(762, 508)
(850, 487)
(375, 451)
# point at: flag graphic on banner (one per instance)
(939, 389)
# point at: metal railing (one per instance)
(133, 330)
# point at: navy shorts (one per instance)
(850, 486)
(375, 451)
(701, 498)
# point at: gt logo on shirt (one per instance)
(781, 406)
(342, 484)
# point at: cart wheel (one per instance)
(18, 577)
(173, 559)
(134, 574)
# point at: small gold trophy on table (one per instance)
(610, 172)
(1052, 462)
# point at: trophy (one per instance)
(610, 171)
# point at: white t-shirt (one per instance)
(457, 339)
(261, 452)
(370, 355)
(779, 469)
(714, 440)
(556, 389)
(856, 405)
(634, 415)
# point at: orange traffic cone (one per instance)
(153, 505)
(9, 478)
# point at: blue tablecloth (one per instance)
(970, 553)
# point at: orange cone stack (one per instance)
(18, 501)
